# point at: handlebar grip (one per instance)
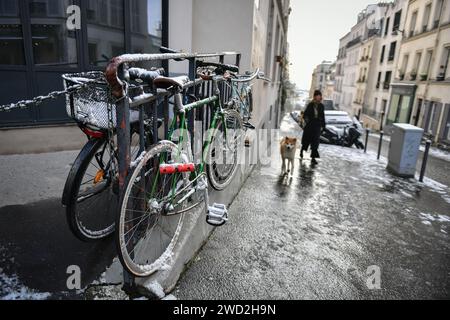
(145, 75)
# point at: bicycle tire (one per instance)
(149, 263)
(220, 181)
(71, 193)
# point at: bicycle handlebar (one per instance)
(248, 78)
(112, 70)
(145, 75)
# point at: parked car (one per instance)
(338, 119)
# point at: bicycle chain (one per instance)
(41, 99)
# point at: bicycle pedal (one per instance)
(248, 125)
(176, 168)
(217, 215)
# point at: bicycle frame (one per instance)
(219, 114)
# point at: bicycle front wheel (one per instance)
(224, 151)
(151, 218)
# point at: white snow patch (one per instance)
(431, 218)
(155, 288)
(170, 298)
(12, 289)
(438, 153)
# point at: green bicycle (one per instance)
(166, 182)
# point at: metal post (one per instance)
(124, 159)
(367, 140)
(380, 145)
(382, 121)
(425, 160)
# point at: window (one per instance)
(397, 20)
(146, 28)
(11, 38)
(53, 43)
(392, 51)
(379, 80)
(438, 13)
(106, 31)
(417, 61)
(444, 70)
(383, 52)
(427, 65)
(388, 25)
(426, 18)
(387, 80)
(412, 26)
(404, 66)
(405, 110)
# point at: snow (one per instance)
(155, 288)
(438, 153)
(375, 171)
(429, 218)
(12, 289)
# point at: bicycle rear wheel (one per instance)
(151, 213)
(223, 156)
(91, 193)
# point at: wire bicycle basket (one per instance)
(88, 105)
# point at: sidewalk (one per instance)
(41, 140)
(315, 236)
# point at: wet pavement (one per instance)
(310, 237)
(320, 234)
(36, 245)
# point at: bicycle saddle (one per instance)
(167, 82)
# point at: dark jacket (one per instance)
(314, 124)
(310, 115)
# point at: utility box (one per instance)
(404, 150)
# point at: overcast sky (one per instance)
(315, 29)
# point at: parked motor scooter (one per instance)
(348, 136)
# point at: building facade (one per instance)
(421, 91)
(37, 47)
(339, 97)
(321, 77)
(384, 63)
(258, 31)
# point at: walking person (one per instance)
(314, 119)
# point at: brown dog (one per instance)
(288, 151)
